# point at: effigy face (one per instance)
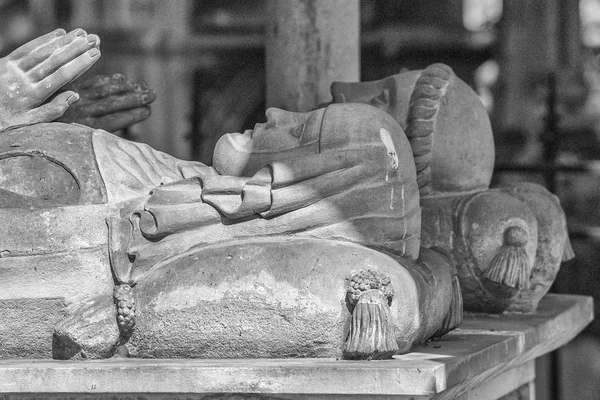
(131, 251)
(285, 135)
(507, 242)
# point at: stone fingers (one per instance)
(70, 71)
(116, 103)
(94, 81)
(120, 120)
(45, 50)
(110, 102)
(55, 108)
(45, 113)
(62, 56)
(36, 70)
(30, 46)
(102, 86)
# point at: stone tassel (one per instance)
(510, 266)
(371, 335)
(568, 253)
(455, 313)
(125, 302)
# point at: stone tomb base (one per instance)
(488, 357)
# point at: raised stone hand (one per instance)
(109, 102)
(35, 71)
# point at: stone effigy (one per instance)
(507, 242)
(267, 264)
(302, 240)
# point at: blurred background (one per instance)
(535, 64)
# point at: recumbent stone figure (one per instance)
(507, 242)
(302, 240)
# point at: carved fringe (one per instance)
(568, 253)
(509, 267)
(455, 313)
(371, 335)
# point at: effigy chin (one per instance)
(302, 240)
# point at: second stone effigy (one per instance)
(507, 242)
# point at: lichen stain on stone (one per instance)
(262, 288)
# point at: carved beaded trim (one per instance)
(362, 281)
(423, 110)
(125, 302)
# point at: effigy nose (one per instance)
(273, 114)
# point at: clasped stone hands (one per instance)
(35, 71)
(33, 89)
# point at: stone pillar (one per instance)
(310, 44)
(570, 51)
(538, 38)
(528, 41)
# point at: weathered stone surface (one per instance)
(27, 326)
(41, 153)
(52, 260)
(71, 275)
(490, 355)
(553, 241)
(274, 298)
(56, 229)
(476, 234)
(89, 332)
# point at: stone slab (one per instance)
(485, 347)
(504, 384)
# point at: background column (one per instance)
(310, 44)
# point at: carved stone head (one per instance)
(289, 135)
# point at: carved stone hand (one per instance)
(109, 102)
(35, 71)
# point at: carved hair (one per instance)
(423, 110)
